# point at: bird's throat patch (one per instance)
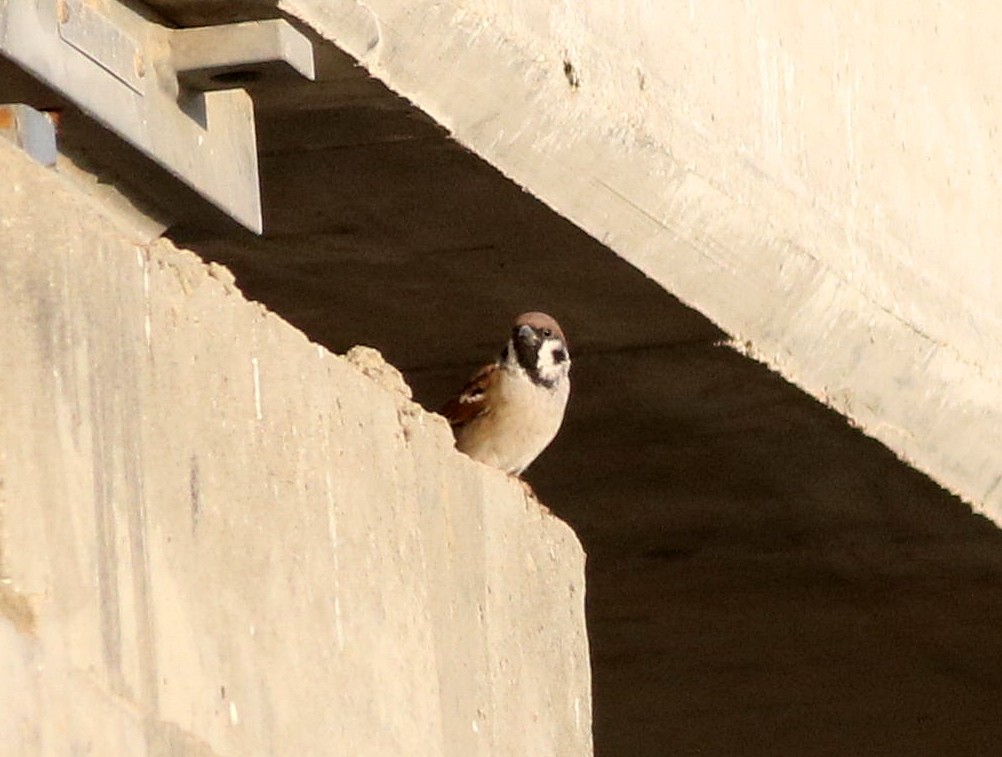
(528, 356)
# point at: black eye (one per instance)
(547, 333)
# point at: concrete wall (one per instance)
(824, 183)
(218, 539)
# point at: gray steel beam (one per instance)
(172, 93)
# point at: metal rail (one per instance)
(175, 94)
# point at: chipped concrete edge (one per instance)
(491, 500)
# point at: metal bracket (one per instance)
(31, 130)
(172, 93)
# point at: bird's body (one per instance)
(511, 409)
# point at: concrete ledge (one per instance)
(823, 185)
(219, 539)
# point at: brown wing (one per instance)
(470, 403)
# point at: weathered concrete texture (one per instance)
(822, 183)
(219, 539)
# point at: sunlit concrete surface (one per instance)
(763, 576)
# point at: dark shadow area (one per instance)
(763, 579)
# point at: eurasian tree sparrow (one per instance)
(510, 410)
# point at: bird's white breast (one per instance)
(520, 425)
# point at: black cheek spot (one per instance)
(559, 356)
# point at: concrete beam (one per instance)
(822, 184)
(217, 538)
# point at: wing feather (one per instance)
(470, 403)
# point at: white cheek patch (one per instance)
(553, 360)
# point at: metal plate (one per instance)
(122, 70)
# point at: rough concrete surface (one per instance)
(217, 538)
(763, 578)
(822, 183)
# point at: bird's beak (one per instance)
(526, 335)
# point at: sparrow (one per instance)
(511, 409)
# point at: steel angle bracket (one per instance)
(175, 94)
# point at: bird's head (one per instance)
(538, 344)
